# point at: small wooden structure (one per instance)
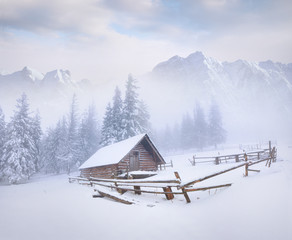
(133, 154)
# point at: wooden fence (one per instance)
(171, 187)
(239, 157)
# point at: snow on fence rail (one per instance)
(122, 186)
(231, 157)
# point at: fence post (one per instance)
(246, 170)
(194, 161)
(216, 160)
(168, 193)
(246, 165)
(183, 189)
(137, 190)
(275, 155)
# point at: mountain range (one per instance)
(50, 93)
(254, 97)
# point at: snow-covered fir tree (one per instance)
(107, 132)
(131, 121)
(56, 150)
(89, 133)
(200, 128)
(18, 155)
(74, 142)
(117, 115)
(36, 133)
(49, 152)
(186, 138)
(124, 119)
(143, 117)
(2, 139)
(216, 132)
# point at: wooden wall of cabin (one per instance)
(99, 172)
(146, 161)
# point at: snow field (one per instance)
(254, 207)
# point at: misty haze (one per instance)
(145, 119)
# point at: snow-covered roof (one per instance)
(113, 153)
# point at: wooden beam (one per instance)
(210, 176)
(186, 195)
(114, 198)
(253, 170)
(132, 181)
(207, 188)
(246, 169)
(168, 193)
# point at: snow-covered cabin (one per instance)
(132, 154)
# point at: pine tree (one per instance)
(131, 122)
(89, 133)
(216, 133)
(186, 132)
(50, 151)
(143, 117)
(18, 155)
(36, 133)
(2, 139)
(117, 115)
(107, 133)
(56, 149)
(166, 139)
(74, 144)
(200, 128)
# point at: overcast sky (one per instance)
(107, 39)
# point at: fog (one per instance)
(251, 111)
(104, 41)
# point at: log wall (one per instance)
(99, 172)
(146, 161)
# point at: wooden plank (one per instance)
(186, 195)
(133, 181)
(148, 185)
(210, 176)
(115, 198)
(253, 170)
(168, 193)
(207, 188)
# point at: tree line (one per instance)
(72, 141)
(196, 131)
(25, 149)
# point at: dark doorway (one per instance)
(134, 161)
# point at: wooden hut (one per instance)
(133, 154)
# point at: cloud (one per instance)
(71, 17)
(103, 39)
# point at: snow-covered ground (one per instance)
(254, 207)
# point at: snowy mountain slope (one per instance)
(248, 93)
(50, 93)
